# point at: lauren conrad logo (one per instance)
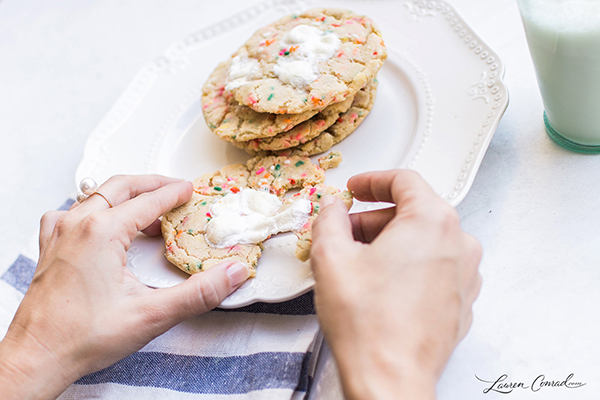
(506, 386)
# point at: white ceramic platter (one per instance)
(440, 99)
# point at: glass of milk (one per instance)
(564, 41)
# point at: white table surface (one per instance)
(534, 206)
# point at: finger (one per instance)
(470, 297)
(473, 253)
(198, 294)
(331, 233)
(144, 209)
(333, 223)
(475, 288)
(47, 224)
(465, 325)
(367, 225)
(394, 186)
(121, 188)
(154, 229)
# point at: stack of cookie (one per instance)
(297, 86)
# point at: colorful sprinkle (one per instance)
(316, 101)
(235, 189)
(299, 163)
(270, 97)
(260, 171)
(218, 188)
(190, 231)
(277, 167)
(312, 191)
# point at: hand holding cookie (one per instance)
(84, 309)
(394, 287)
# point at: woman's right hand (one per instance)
(395, 287)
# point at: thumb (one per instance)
(200, 292)
(331, 234)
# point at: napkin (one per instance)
(261, 351)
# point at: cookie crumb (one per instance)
(331, 160)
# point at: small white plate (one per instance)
(280, 276)
(439, 101)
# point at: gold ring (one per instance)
(104, 197)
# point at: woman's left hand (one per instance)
(84, 309)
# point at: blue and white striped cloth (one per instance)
(262, 351)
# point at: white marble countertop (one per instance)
(534, 206)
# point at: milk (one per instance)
(564, 41)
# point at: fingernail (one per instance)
(327, 201)
(237, 273)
